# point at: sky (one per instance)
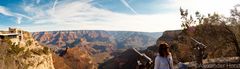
(114, 15)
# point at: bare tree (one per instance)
(225, 27)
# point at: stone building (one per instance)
(14, 34)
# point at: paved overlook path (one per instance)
(224, 62)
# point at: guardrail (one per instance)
(143, 60)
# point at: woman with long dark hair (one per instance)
(164, 58)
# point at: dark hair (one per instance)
(163, 50)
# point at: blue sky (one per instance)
(119, 15)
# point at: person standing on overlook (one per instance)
(164, 59)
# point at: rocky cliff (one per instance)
(74, 58)
(27, 54)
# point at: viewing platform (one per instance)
(15, 35)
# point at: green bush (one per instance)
(7, 40)
(28, 43)
(37, 51)
(27, 54)
(45, 50)
(15, 49)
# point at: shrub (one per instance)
(15, 49)
(28, 43)
(7, 40)
(46, 50)
(27, 54)
(37, 51)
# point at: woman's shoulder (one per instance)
(170, 55)
(157, 58)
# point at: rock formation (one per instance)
(27, 54)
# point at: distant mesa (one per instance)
(100, 45)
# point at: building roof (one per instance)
(8, 34)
